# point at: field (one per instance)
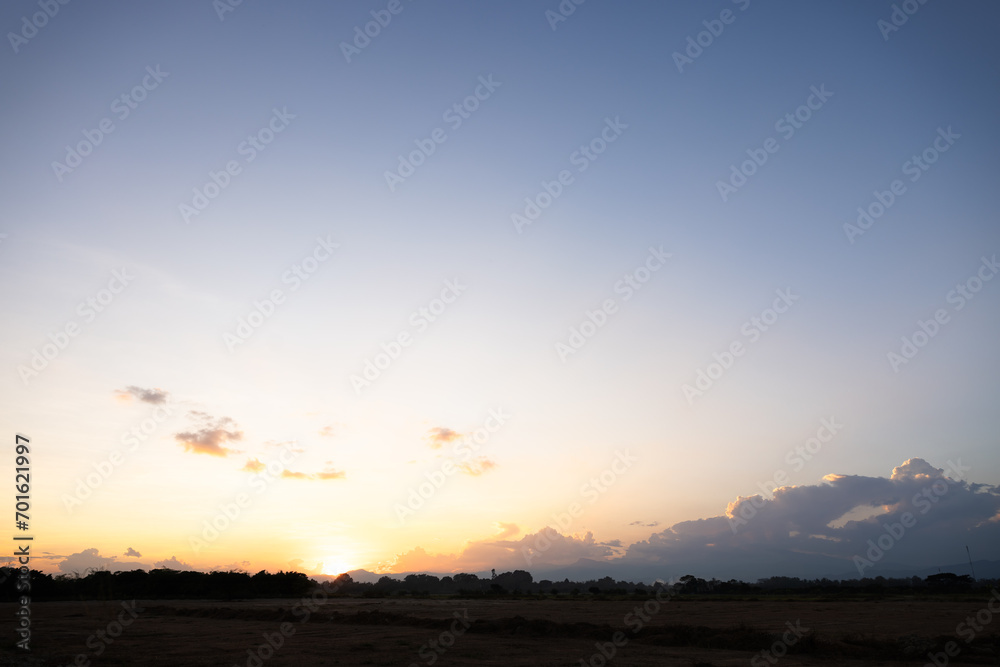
(413, 631)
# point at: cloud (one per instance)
(253, 465)
(507, 530)
(330, 430)
(810, 531)
(132, 553)
(440, 436)
(476, 466)
(283, 444)
(155, 396)
(811, 526)
(172, 564)
(652, 524)
(240, 566)
(547, 547)
(299, 565)
(211, 437)
(85, 562)
(328, 473)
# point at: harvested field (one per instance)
(352, 631)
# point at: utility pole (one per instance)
(971, 567)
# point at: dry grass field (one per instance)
(406, 631)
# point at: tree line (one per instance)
(175, 584)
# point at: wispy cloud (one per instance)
(477, 466)
(155, 396)
(327, 473)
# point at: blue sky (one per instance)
(245, 73)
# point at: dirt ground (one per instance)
(407, 632)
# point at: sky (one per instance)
(445, 286)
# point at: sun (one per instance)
(336, 565)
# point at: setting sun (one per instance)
(336, 565)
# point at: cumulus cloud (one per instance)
(84, 562)
(155, 396)
(547, 547)
(172, 564)
(814, 526)
(476, 466)
(439, 436)
(214, 432)
(809, 531)
(132, 553)
(507, 530)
